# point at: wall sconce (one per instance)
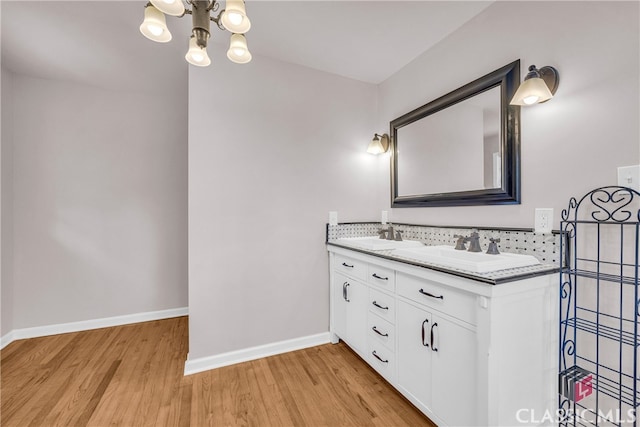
(538, 86)
(379, 144)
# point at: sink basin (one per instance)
(477, 262)
(377, 244)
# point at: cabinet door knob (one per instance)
(379, 306)
(379, 333)
(432, 346)
(423, 332)
(423, 292)
(347, 265)
(379, 277)
(379, 358)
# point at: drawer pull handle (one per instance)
(432, 346)
(379, 358)
(379, 306)
(345, 291)
(379, 277)
(423, 332)
(347, 265)
(379, 333)
(423, 292)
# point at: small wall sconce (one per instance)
(379, 144)
(538, 86)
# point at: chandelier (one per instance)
(233, 19)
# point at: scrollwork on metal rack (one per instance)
(566, 293)
(611, 204)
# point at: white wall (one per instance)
(6, 206)
(99, 198)
(272, 148)
(571, 144)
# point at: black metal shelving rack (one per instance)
(599, 382)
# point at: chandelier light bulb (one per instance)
(154, 26)
(197, 55)
(170, 7)
(234, 18)
(238, 51)
(154, 29)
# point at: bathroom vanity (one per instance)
(465, 348)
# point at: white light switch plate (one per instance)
(384, 217)
(333, 218)
(544, 220)
(629, 176)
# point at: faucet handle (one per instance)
(398, 236)
(493, 247)
(382, 233)
(460, 242)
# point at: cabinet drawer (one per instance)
(441, 297)
(383, 305)
(385, 278)
(382, 360)
(351, 267)
(382, 332)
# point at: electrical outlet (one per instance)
(384, 217)
(544, 220)
(333, 218)
(629, 176)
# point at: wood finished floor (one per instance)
(132, 376)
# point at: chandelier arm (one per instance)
(218, 21)
(213, 6)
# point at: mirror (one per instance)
(460, 149)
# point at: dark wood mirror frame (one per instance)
(508, 79)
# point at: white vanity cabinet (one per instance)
(462, 351)
(349, 304)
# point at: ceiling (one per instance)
(99, 42)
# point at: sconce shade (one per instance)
(197, 55)
(379, 144)
(154, 26)
(538, 86)
(238, 51)
(170, 7)
(234, 18)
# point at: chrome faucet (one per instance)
(390, 233)
(474, 242)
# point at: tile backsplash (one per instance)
(545, 247)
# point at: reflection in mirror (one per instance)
(462, 148)
(455, 149)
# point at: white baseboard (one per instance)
(86, 325)
(7, 339)
(218, 361)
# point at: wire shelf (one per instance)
(619, 335)
(600, 309)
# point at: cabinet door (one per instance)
(454, 394)
(356, 315)
(414, 353)
(339, 306)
